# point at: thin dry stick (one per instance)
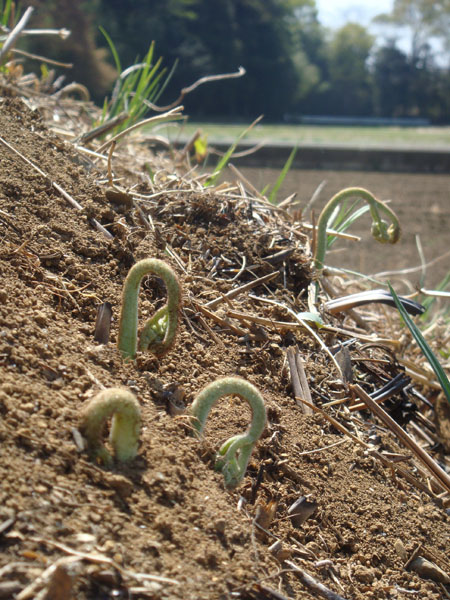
(15, 33)
(339, 234)
(172, 114)
(240, 154)
(192, 87)
(298, 386)
(44, 59)
(189, 145)
(303, 381)
(425, 458)
(312, 584)
(295, 380)
(287, 325)
(57, 187)
(316, 194)
(240, 290)
(103, 128)
(394, 467)
(219, 320)
(100, 558)
(411, 269)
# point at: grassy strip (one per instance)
(323, 134)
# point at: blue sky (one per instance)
(335, 13)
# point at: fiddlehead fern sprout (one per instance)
(381, 230)
(233, 456)
(122, 406)
(158, 333)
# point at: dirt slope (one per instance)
(167, 514)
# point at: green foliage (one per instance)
(226, 157)
(424, 18)
(281, 177)
(158, 333)
(381, 230)
(393, 76)
(422, 343)
(122, 406)
(234, 454)
(135, 87)
(294, 65)
(350, 85)
(5, 12)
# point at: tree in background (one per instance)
(417, 83)
(293, 64)
(424, 18)
(350, 84)
(217, 37)
(392, 75)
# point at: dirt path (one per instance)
(164, 526)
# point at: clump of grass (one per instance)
(136, 87)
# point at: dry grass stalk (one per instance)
(300, 385)
(243, 288)
(401, 434)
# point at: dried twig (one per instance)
(312, 584)
(432, 466)
(15, 33)
(103, 128)
(101, 558)
(187, 90)
(298, 379)
(173, 114)
(240, 290)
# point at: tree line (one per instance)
(293, 64)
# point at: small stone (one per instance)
(364, 574)
(40, 318)
(400, 549)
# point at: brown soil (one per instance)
(70, 528)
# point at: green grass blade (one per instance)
(166, 81)
(5, 12)
(343, 226)
(226, 157)
(112, 48)
(428, 353)
(273, 194)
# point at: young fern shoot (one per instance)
(122, 406)
(233, 456)
(381, 230)
(158, 333)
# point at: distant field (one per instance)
(432, 137)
